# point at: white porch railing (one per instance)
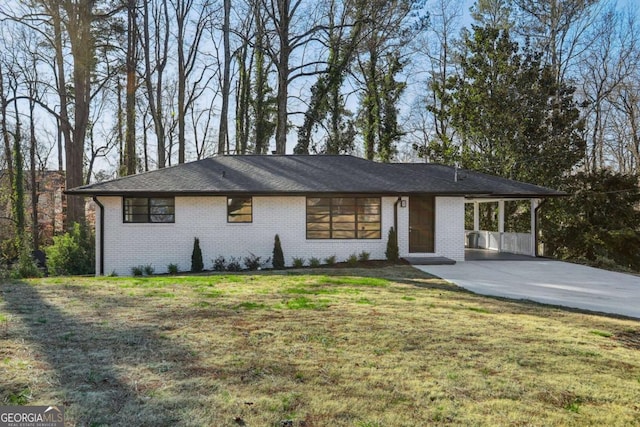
(515, 243)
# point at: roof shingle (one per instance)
(288, 174)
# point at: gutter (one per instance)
(101, 263)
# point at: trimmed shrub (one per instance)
(314, 262)
(148, 269)
(353, 259)
(392, 253)
(278, 255)
(196, 257)
(330, 260)
(172, 268)
(364, 256)
(298, 262)
(137, 270)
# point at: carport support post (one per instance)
(534, 232)
(500, 223)
(476, 216)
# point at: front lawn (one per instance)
(361, 347)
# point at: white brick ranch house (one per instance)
(319, 206)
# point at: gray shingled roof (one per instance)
(309, 174)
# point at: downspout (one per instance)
(395, 217)
(101, 263)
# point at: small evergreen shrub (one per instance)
(172, 268)
(196, 257)
(137, 270)
(219, 264)
(364, 256)
(278, 255)
(314, 262)
(234, 264)
(330, 260)
(298, 262)
(392, 253)
(148, 269)
(353, 259)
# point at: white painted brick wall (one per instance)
(129, 245)
(449, 229)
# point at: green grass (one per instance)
(340, 347)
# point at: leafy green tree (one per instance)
(511, 118)
(599, 222)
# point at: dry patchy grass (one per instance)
(361, 347)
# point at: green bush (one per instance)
(172, 268)
(352, 259)
(71, 253)
(330, 260)
(196, 257)
(137, 270)
(298, 262)
(26, 266)
(278, 255)
(148, 269)
(314, 262)
(364, 256)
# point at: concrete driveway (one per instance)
(548, 282)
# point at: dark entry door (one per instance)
(421, 224)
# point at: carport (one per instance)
(499, 241)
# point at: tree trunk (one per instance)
(130, 143)
(223, 136)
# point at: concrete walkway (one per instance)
(548, 282)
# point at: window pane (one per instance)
(312, 234)
(369, 218)
(318, 218)
(368, 226)
(313, 226)
(136, 210)
(345, 217)
(343, 234)
(239, 209)
(368, 234)
(318, 201)
(344, 225)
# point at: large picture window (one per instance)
(239, 209)
(343, 218)
(149, 209)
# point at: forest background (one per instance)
(545, 91)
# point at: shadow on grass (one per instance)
(93, 365)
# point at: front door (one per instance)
(421, 224)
